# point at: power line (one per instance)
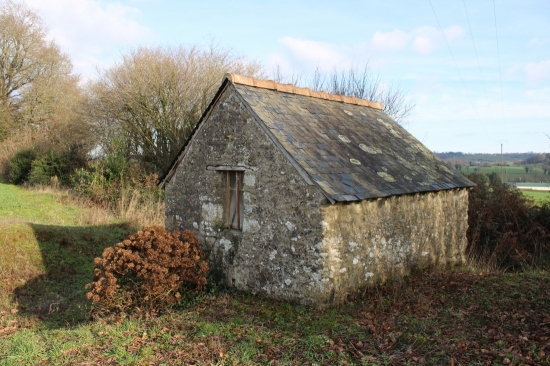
(475, 49)
(501, 142)
(479, 64)
(499, 70)
(449, 48)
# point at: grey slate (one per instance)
(309, 129)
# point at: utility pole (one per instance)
(501, 160)
(501, 164)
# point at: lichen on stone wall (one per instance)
(379, 239)
(276, 255)
(295, 245)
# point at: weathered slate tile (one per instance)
(356, 147)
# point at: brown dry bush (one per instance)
(506, 230)
(146, 272)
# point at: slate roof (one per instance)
(347, 146)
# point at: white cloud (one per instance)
(423, 45)
(394, 40)
(91, 31)
(453, 32)
(537, 72)
(425, 39)
(308, 54)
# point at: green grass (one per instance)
(46, 256)
(17, 204)
(537, 196)
(515, 173)
(431, 319)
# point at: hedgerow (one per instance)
(37, 167)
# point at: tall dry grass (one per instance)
(133, 208)
(139, 209)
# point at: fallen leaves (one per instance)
(440, 318)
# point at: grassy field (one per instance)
(537, 196)
(512, 173)
(46, 253)
(440, 318)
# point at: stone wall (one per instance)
(294, 245)
(370, 241)
(276, 253)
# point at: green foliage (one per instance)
(31, 166)
(117, 183)
(104, 185)
(102, 180)
(494, 178)
(116, 162)
(20, 166)
(44, 167)
(54, 163)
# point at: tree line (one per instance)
(142, 108)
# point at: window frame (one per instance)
(230, 221)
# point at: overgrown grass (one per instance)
(439, 318)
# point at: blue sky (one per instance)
(469, 94)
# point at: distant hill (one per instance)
(479, 159)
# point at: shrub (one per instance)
(505, 228)
(43, 168)
(136, 198)
(146, 272)
(53, 163)
(29, 165)
(20, 165)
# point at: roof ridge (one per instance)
(291, 89)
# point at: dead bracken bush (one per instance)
(146, 272)
(506, 230)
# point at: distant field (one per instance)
(465, 157)
(539, 197)
(514, 173)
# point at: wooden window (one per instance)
(234, 207)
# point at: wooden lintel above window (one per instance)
(232, 168)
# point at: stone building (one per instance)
(307, 196)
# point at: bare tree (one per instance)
(359, 83)
(153, 98)
(39, 95)
(29, 64)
